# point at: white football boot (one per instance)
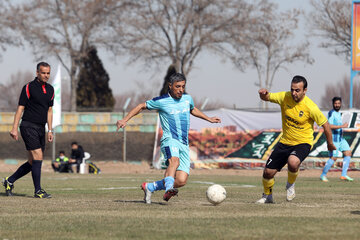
(290, 192)
(265, 199)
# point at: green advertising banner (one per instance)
(241, 142)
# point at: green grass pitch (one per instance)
(109, 206)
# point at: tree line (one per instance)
(251, 34)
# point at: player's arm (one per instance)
(328, 134)
(264, 94)
(135, 111)
(50, 135)
(14, 133)
(197, 113)
(338, 126)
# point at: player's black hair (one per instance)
(42, 64)
(298, 79)
(74, 143)
(62, 152)
(177, 77)
(336, 99)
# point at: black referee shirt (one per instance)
(36, 97)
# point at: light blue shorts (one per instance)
(174, 148)
(340, 147)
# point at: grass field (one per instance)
(110, 206)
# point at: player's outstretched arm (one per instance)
(197, 113)
(345, 125)
(328, 134)
(14, 133)
(264, 94)
(135, 111)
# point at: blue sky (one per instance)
(212, 78)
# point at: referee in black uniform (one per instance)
(36, 101)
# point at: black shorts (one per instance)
(33, 135)
(279, 157)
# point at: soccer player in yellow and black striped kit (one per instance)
(298, 113)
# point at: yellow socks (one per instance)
(292, 176)
(268, 185)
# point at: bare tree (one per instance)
(7, 36)
(341, 89)
(10, 91)
(177, 31)
(65, 28)
(267, 43)
(331, 21)
(140, 94)
(212, 104)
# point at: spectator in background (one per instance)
(61, 163)
(77, 155)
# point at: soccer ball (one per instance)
(216, 194)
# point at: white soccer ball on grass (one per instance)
(216, 194)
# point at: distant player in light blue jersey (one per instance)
(174, 110)
(336, 125)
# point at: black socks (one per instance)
(36, 173)
(20, 172)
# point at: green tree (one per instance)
(93, 92)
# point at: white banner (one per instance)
(241, 120)
(57, 99)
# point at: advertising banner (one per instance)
(356, 37)
(232, 144)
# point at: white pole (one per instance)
(204, 104)
(54, 147)
(124, 129)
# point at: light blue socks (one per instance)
(169, 182)
(345, 167)
(156, 186)
(159, 185)
(327, 167)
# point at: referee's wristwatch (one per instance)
(51, 131)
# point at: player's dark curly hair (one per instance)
(298, 79)
(177, 77)
(336, 99)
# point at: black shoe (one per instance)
(8, 186)
(41, 194)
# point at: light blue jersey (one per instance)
(334, 118)
(340, 143)
(174, 116)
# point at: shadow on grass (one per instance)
(138, 201)
(14, 195)
(355, 212)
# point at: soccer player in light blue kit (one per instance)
(174, 110)
(334, 118)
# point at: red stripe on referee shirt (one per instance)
(27, 91)
(44, 88)
(53, 96)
